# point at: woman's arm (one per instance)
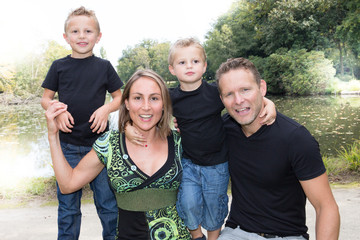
(69, 179)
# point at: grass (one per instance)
(36, 191)
(345, 168)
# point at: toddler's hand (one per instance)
(133, 135)
(269, 112)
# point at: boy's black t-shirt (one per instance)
(198, 114)
(82, 85)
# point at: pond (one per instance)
(24, 151)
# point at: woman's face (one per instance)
(145, 103)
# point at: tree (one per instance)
(103, 54)
(31, 71)
(147, 54)
(7, 74)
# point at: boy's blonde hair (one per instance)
(82, 11)
(185, 42)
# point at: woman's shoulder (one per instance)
(109, 135)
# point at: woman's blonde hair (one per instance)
(124, 116)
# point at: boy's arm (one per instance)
(269, 112)
(47, 97)
(100, 117)
(64, 121)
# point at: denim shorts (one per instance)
(236, 233)
(202, 198)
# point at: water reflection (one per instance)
(24, 151)
(333, 121)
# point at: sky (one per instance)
(26, 25)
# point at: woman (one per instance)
(145, 179)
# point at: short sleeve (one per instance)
(52, 78)
(102, 147)
(305, 154)
(114, 81)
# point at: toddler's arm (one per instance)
(100, 117)
(269, 112)
(64, 120)
(133, 135)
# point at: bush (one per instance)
(296, 72)
(352, 155)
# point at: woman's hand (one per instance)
(55, 109)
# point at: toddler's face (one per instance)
(82, 34)
(188, 65)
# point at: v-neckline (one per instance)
(132, 165)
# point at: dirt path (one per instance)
(39, 223)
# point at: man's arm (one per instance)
(100, 117)
(320, 196)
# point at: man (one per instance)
(272, 168)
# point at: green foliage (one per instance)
(147, 54)
(219, 47)
(334, 166)
(31, 71)
(103, 53)
(352, 155)
(296, 72)
(262, 28)
(38, 186)
(7, 81)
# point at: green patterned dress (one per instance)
(147, 208)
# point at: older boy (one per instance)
(81, 80)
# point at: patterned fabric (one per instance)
(124, 176)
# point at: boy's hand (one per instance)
(54, 110)
(65, 121)
(133, 135)
(99, 119)
(269, 112)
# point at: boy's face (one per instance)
(82, 35)
(188, 66)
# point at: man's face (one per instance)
(242, 96)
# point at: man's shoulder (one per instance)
(286, 121)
